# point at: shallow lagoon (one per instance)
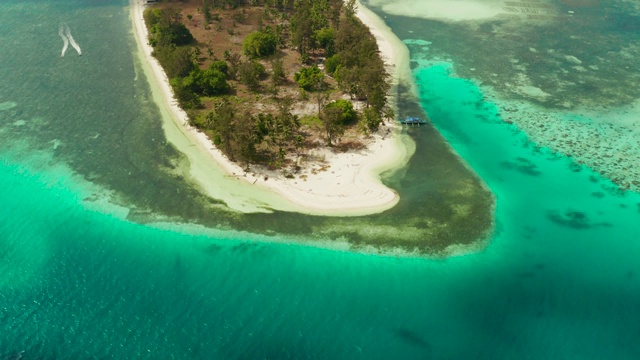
(560, 278)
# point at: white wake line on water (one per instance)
(73, 41)
(66, 41)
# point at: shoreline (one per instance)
(351, 184)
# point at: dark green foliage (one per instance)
(370, 120)
(250, 73)
(359, 70)
(332, 123)
(176, 61)
(346, 108)
(234, 61)
(350, 49)
(220, 122)
(351, 7)
(259, 44)
(316, 28)
(245, 138)
(151, 17)
(183, 91)
(331, 64)
(309, 17)
(169, 38)
(302, 28)
(280, 32)
(210, 82)
(277, 132)
(309, 78)
(325, 39)
(166, 28)
(220, 66)
(235, 134)
(278, 75)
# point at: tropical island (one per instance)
(268, 80)
(439, 204)
(293, 95)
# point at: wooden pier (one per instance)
(413, 121)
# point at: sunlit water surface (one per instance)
(560, 278)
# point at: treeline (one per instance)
(246, 138)
(351, 54)
(267, 138)
(172, 46)
(322, 32)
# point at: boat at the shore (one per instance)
(413, 121)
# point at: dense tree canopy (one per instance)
(318, 30)
(309, 78)
(259, 44)
(348, 114)
(165, 27)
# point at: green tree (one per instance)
(220, 122)
(331, 64)
(151, 17)
(220, 65)
(176, 61)
(332, 123)
(234, 61)
(351, 8)
(183, 91)
(370, 120)
(325, 39)
(309, 78)
(259, 44)
(165, 27)
(244, 139)
(374, 84)
(279, 131)
(251, 72)
(348, 114)
(301, 27)
(278, 76)
(213, 82)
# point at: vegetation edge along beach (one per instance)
(444, 207)
(341, 183)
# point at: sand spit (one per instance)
(341, 184)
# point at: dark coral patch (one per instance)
(522, 165)
(412, 337)
(575, 167)
(574, 219)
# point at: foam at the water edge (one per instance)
(72, 40)
(65, 41)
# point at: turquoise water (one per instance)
(560, 279)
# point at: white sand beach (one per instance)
(350, 184)
(443, 10)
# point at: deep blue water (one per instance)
(560, 279)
